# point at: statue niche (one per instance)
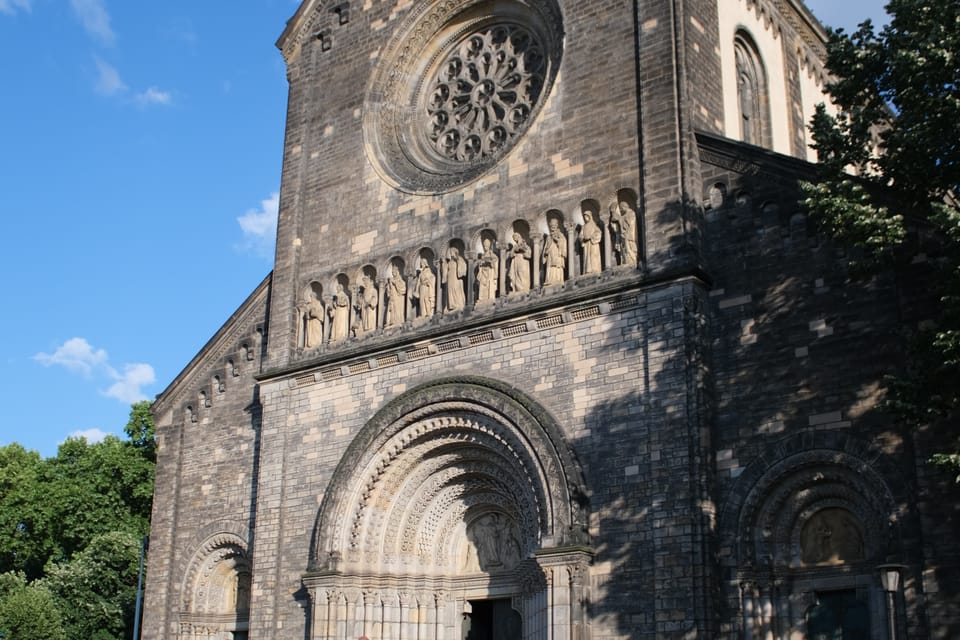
(312, 316)
(521, 255)
(367, 303)
(425, 286)
(454, 272)
(623, 224)
(488, 269)
(339, 310)
(554, 256)
(396, 295)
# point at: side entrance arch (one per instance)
(457, 512)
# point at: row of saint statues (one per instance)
(441, 285)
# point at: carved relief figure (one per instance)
(425, 290)
(367, 305)
(313, 318)
(488, 270)
(520, 265)
(555, 254)
(454, 271)
(494, 540)
(396, 297)
(339, 313)
(624, 220)
(590, 238)
(830, 536)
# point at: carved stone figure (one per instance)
(396, 298)
(520, 265)
(830, 536)
(367, 306)
(313, 318)
(488, 271)
(555, 254)
(454, 271)
(590, 238)
(624, 219)
(339, 313)
(425, 289)
(495, 540)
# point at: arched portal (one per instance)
(458, 500)
(216, 590)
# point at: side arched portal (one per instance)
(215, 601)
(458, 499)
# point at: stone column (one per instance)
(352, 318)
(408, 299)
(381, 307)
(608, 262)
(440, 304)
(502, 280)
(470, 283)
(573, 269)
(536, 282)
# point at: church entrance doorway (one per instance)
(492, 620)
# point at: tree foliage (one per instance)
(898, 131)
(28, 611)
(70, 531)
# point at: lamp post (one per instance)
(890, 579)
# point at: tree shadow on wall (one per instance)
(783, 343)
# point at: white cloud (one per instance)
(260, 226)
(153, 96)
(92, 436)
(95, 19)
(109, 82)
(76, 355)
(11, 6)
(127, 387)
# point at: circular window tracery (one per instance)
(457, 88)
(481, 98)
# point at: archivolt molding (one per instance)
(785, 495)
(437, 458)
(227, 544)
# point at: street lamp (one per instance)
(890, 580)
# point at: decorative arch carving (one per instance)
(448, 451)
(215, 593)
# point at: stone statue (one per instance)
(590, 238)
(555, 254)
(624, 219)
(454, 271)
(396, 298)
(425, 289)
(488, 271)
(339, 313)
(367, 305)
(313, 318)
(520, 265)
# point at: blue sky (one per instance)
(140, 151)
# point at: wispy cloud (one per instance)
(95, 18)
(153, 96)
(92, 436)
(128, 385)
(75, 355)
(12, 6)
(108, 82)
(259, 227)
(79, 356)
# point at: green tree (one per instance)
(28, 610)
(24, 539)
(141, 430)
(97, 588)
(898, 91)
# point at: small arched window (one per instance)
(751, 92)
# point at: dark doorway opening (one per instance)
(492, 620)
(838, 615)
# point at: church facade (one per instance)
(550, 350)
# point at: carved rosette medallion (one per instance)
(457, 87)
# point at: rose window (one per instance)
(484, 92)
(457, 87)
